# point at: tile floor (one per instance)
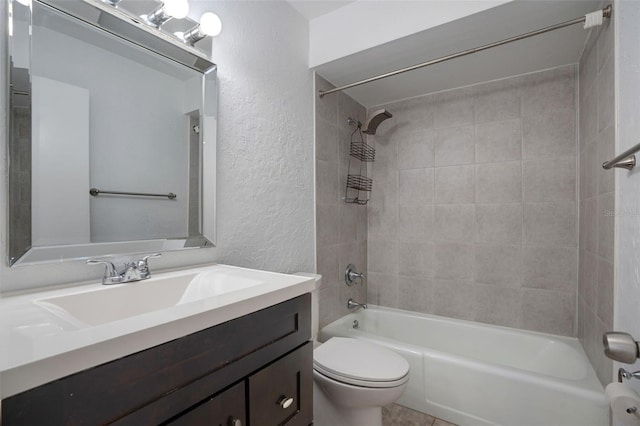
(397, 415)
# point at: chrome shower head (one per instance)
(374, 121)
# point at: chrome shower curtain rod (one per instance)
(606, 13)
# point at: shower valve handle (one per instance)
(351, 275)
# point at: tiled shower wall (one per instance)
(473, 212)
(341, 229)
(597, 201)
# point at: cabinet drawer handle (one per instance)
(285, 402)
(234, 422)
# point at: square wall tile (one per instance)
(382, 289)
(550, 224)
(550, 268)
(499, 182)
(499, 223)
(415, 222)
(498, 305)
(606, 94)
(454, 146)
(498, 265)
(327, 224)
(550, 135)
(588, 113)
(348, 222)
(415, 294)
(548, 311)
(453, 261)
(328, 264)
(348, 107)
(416, 186)
(386, 149)
(326, 107)
(415, 259)
(588, 278)
(454, 108)
(455, 223)
(454, 299)
(548, 91)
(326, 141)
(498, 141)
(590, 172)
(327, 182)
(606, 151)
(415, 150)
(551, 179)
(412, 115)
(382, 221)
(606, 225)
(589, 225)
(498, 100)
(382, 256)
(455, 185)
(605, 292)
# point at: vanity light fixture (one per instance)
(169, 9)
(210, 25)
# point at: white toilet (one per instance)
(353, 378)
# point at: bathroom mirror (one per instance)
(111, 139)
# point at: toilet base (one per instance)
(326, 413)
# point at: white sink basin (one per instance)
(53, 333)
(112, 303)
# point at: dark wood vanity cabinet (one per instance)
(255, 370)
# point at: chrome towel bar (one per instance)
(95, 192)
(626, 160)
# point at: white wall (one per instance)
(362, 25)
(265, 150)
(627, 298)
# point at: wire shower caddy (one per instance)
(359, 184)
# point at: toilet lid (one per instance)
(360, 363)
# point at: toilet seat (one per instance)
(360, 363)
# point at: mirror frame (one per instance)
(130, 28)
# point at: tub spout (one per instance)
(351, 304)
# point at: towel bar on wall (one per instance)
(626, 160)
(95, 192)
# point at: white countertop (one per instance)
(38, 346)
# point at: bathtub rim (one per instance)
(588, 386)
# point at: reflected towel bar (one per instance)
(626, 160)
(95, 192)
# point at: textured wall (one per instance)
(473, 212)
(265, 149)
(627, 289)
(341, 228)
(597, 197)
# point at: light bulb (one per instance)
(210, 24)
(176, 8)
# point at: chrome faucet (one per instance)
(351, 275)
(133, 271)
(352, 304)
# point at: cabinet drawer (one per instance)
(224, 409)
(282, 393)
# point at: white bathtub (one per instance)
(476, 374)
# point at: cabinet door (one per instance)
(224, 409)
(282, 393)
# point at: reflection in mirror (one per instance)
(102, 131)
